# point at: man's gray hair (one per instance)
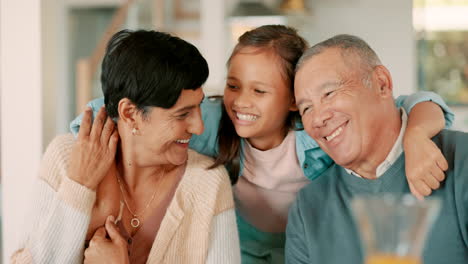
(348, 44)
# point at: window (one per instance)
(441, 29)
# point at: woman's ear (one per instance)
(384, 79)
(127, 111)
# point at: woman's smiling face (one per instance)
(163, 134)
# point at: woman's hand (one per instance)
(107, 250)
(94, 151)
(425, 164)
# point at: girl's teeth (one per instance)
(336, 133)
(183, 141)
(246, 117)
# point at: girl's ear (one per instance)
(127, 112)
(293, 106)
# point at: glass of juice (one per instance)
(393, 227)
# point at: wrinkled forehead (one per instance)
(318, 71)
(330, 65)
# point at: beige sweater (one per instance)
(199, 225)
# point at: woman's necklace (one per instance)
(135, 222)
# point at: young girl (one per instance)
(255, 132)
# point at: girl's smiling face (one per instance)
(257, 97)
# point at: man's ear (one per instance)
(384, 81)
(127, 112)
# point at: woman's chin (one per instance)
(178, 159)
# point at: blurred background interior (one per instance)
(51, 51)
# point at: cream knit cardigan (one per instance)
(199, 225)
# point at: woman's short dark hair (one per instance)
(150, 68)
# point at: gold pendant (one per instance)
(135, 222)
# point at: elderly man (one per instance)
(344, 95)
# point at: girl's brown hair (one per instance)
(288, 46)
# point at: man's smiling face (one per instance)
(337, 109)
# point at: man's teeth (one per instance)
(247, 117)
(183, 141)
(336, 133)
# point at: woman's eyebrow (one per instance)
(189, 107)
(185, 108)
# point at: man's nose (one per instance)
(320, 116)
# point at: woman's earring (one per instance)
(134, 131)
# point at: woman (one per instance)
(145, 198)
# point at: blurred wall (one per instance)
(386, 25)
(21, 110)
(51, 74)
